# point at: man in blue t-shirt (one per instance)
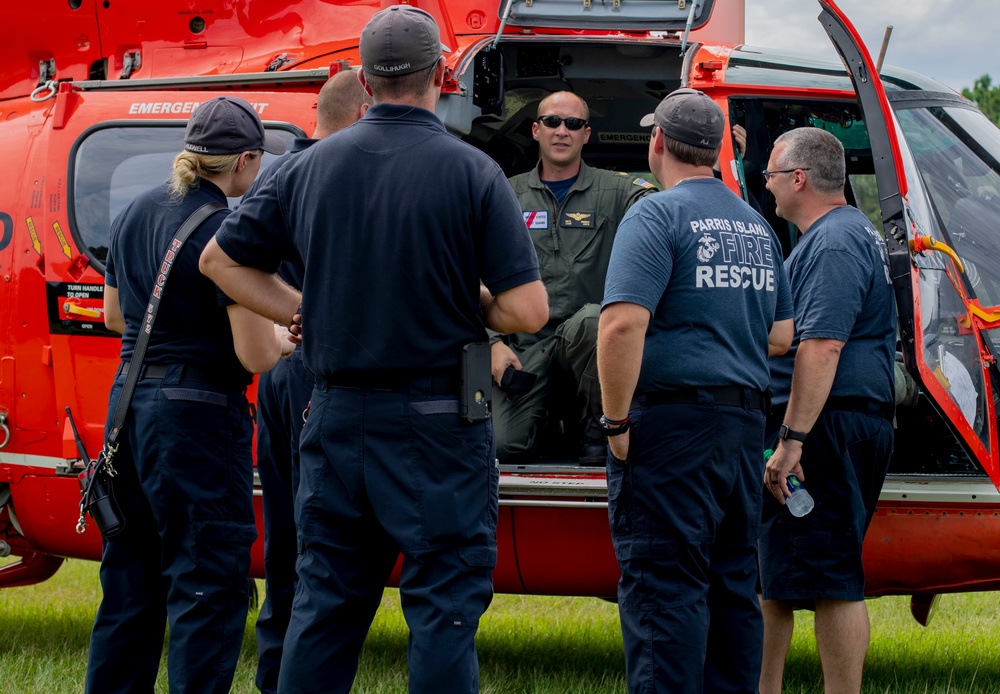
(832, 417)
(695, 301)
(282, 397)
(391, 301)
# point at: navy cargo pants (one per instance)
(384, 472)
(282, 396)
(684, 511)
(185, 482)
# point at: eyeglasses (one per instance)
(555, 121)
(767, 174)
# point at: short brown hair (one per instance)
(689, 154)
(339, 101)
(402, 86)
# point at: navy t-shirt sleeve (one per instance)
(508, 257)
(109, 271)
(827, 306)
(641, 262)
(256, 235)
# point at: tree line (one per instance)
(986, 96)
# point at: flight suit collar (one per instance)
(584, 179)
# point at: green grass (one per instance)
(526, 644)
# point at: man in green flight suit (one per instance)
(572, 212)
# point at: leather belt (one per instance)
(731, 396)
(195, 373)
(443, 382)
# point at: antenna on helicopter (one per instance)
(885, 45)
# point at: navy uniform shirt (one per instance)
(192, 325)
(842, 291)
(289, 272)
(709, 269)
(397, 221)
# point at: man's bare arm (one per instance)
(815, 368)
(621, 334)
(522, 309)
(780, 337)
(261, 292)
(113, 318)
(254, 339)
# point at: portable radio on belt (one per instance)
(477, 382)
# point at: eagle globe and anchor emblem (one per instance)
(707, 248)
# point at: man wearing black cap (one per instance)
(695, 300)
(391, 308)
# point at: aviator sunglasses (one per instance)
(554, 121)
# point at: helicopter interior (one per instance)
(620, 83)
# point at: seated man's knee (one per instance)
(581, 327)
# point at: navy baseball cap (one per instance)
(228, 125)
(688, 116)
(399, 40)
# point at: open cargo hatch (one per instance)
(645, 15)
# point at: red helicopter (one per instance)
(93, 109)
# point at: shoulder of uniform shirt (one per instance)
(621, 179)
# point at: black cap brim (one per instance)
(273, 144)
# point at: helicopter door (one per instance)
(940, 336)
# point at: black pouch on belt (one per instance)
(97, 483)
(477, 382)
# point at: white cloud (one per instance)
(952, 41)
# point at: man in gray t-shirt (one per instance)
(832, 419)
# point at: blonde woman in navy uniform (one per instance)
(185, 471)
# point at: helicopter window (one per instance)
(865, 192)
(957, 157)
(112, 164)
(953, 154)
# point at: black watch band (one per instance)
(784, 433)
(614, 428)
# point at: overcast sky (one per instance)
(953, 41)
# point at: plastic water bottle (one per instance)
(801, 501)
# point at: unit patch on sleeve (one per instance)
(642, 183)
(584, 220)
(536, 219)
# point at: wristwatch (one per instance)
(784, 433)
(611, 427)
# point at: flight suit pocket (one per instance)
(580, 232)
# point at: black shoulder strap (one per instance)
(142, 342)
